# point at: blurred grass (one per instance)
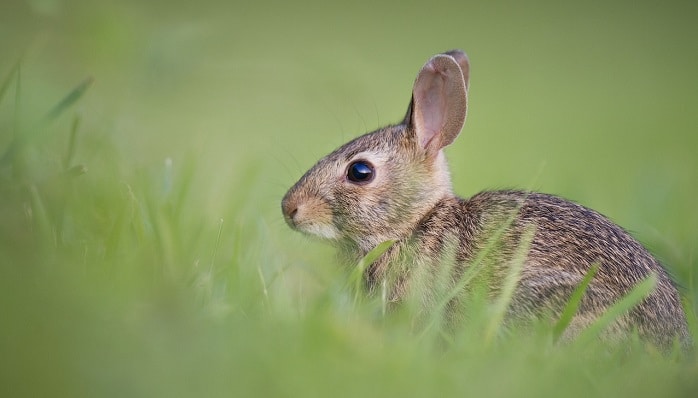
(160, 266)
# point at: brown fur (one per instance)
(410, 201)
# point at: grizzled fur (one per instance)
(409, 200)
(568, 240)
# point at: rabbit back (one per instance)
(567, 240)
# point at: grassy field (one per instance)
(145, 147)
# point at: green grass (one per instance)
(145, 149)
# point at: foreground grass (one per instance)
(112, 283)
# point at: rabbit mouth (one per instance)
(312, 228)
(322, 231)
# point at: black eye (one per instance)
(360, 171)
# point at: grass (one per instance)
(146, 148)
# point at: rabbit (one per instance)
(394, 184)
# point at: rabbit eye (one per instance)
(360, 172)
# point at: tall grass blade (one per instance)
(356, 277)
(41, 217)
(13, 74)
(19, 141)
(573, 304)
(472, 270)
(72, 141)
(500, 306)
(265, 291)
(218, 244)
(8, 80)
(180, 191)
(637, 294)
(68, 100)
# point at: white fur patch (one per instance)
(323, 231)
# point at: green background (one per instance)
(166, 268)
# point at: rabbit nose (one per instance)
(291, 215)
(290, 210)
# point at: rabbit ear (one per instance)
(439, 100)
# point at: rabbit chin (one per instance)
(322, 231)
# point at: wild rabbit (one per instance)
(394, 184)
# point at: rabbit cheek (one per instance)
(363, 214)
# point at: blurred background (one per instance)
(200, 115)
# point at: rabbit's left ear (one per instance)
(439, 101)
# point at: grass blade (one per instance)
(72, 141)
(472, 270)
(509, 285)
(637, 294)
(41, 217)
(68, 100)
(8, 80)
(357, 274)
(20, 141)
(573, 304)
(15, 74)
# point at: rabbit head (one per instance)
(378, 186)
